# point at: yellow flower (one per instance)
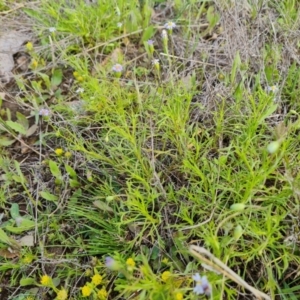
(29, 46)
(130, 262)
(59, 151)
(46, 280)
(165, 260)
(62, 295)
(165, 276)
(68, 154)
(75, 74)
(34, 64)
(96, 279)
(178, 296)
(102, 294)
(86, 291)
(28, 258)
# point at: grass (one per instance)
(129, 183)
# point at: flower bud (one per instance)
(237, 206)
(238, 232)
(273, 147)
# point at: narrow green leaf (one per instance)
(268, 112)
(26, 223)
(48, 196)
(17, 178)
(56, 78)
(235, 67)
(71, 171)
(27, 281)
(4, 237)
(32, 13)
(74, 183)
(6, 141)
(148, 33)
(16, 127)
(22, 120)
(14, 211)
(18, 169)
(18, 230)
(55, 171)
(8, 114)
(37, 86)
(46, 79)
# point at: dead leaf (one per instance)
(23, 63)
(115, 57)
(134, 228)
(9, 253)
(280, 130)
(10, 43)
(26, 147)
(31, 130)
(103, 206)
(27, 240)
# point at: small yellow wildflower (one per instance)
(46, 280)
(130, 264)
(62, 295)
(178, 296)
(86, 291)
(165, 260)
(165, 276)
(28, 258)
(29, 46)
(75, 74)
(34, 64)
(68, 154)
(96, 279)
(102, 294)
(59, 151)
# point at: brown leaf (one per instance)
(114, 57)
(134, 228)
(23, 62)
(280, 130)
(9, 253)
(31, 130)
(26, 147)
